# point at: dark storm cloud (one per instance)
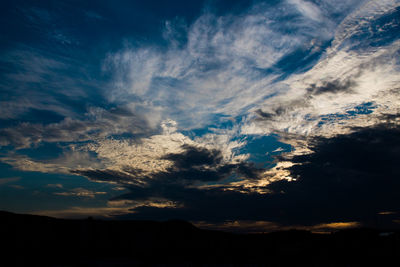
(350, 177)
(201, 164)
(191, 166)
(333, 87)
(193, 156)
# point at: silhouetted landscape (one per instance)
(32, 240)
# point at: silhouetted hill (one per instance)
(45, 241)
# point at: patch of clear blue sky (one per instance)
(300, 60)
(362, 109)
(262, 149)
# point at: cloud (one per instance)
(318, 101)
(55, 185)
(63, 164)
(308, 9)
(360, 21)
(80, 192)
(189, 167)
(202, 164)
(335, 226)
(41, 75)
(193, 157)
(47, 23)
(6, 180)
(266, 226)
(98, 123)
(226, 65)
(387, 213)
(111, 209)
(350, 176)
(349, 179)
(344, 182)
(334, 87)
(228, 68)
(279, 149)
(107, 175)
(137, 161)
(130, 161)
(16, 186)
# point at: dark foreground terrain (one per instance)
(29, 240)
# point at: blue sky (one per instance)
(217, 112)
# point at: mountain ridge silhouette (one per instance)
(47, 241)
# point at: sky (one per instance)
(233, 115)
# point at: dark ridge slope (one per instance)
(31, 240)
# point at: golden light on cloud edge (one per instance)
(267, 226)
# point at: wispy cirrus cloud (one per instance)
(226, 65)
(319, 101)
